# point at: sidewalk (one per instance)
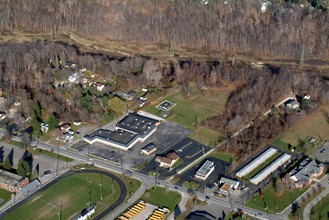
(127, 203)
(307, 209)
(285, 213)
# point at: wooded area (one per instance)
(237, 27)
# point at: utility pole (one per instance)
(57, 156)
(89, 202)
(60, 215)
(101, 185)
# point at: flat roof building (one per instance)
(148, 149)
(256, 162)
(232, 183)
(12, 182)
(128, 132)
(205, 170)
(270, 168)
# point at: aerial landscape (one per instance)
(164, 109)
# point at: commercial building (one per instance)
(130, 130)
(148, 149)
(304, 173)
(232, 183)
(205, 170)
(256, 162)
(12, 182)
(280, 161)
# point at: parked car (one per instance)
(46, 173)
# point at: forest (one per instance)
(30, 72)
(236, 27)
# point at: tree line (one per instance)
(236, 27)
(25, 164)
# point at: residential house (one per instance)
(292, 104)
(44, 127)
(168, 160)
(100, 86)
(304, 173)
(2, 115)
(65, 127)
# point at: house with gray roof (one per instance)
(304, 173)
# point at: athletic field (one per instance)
(73, 192)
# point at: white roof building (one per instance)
(233, 184)
(270, 168)
(205, 170)
(256, 162)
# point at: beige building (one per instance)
(12, 182)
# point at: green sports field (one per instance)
(73, 193)
(4, 196)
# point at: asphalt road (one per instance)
(122, 197)
(145, 178)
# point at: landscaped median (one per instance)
(273, 201)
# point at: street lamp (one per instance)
(100, 186)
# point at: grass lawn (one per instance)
(179, 162)
(191, 185)
(162, 197)
(198, 107)
(299, 213)
(73, 192)
(132, 184)
(275, 203)
(321, 210)
(222, 156)
(4, 196)
(312, 125)
(206, 136)
(153, 173)
(263, 165)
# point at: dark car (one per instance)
(47, 173)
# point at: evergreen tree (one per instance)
(53, 123)
(7, 165)
(23, 168)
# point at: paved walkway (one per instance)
(128, 203)
(307, 209)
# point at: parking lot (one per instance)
(219, 171)
(45, 162)
(167, 135)
(322, 154)
(188, 150)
